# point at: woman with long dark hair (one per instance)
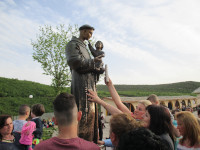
(157, 119)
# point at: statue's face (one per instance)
(99, 46)
(88, 34)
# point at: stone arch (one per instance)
(126, 104)
(131, 108)
(177, 104)
(194, 101)
(189, 103)
(107, 113)
(170, 106)
(162, 103)
(183, 105)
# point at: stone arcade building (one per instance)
(172, 102)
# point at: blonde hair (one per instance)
(145, 103)
(191, 125)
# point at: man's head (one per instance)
(24, 110)
(153, 99)
(86, 32)
(65, 110)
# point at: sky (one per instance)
(145, 41)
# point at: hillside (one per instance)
(14, 92)
(173, 89)
(21, 88)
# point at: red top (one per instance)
(66, 144)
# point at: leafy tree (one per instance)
(49, 51)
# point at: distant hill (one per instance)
(21, 88)
(173, 89)
(14, 92)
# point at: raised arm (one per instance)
(94, 98)
(116, 98)
(92, 50)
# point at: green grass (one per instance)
(47, 132)
(10, 105)
(14, 92)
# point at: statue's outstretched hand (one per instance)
(92, 96)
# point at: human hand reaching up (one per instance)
(93, 97)
(109, 83)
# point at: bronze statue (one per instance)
(98, 53)
(84, 70)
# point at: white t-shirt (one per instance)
(18, 124)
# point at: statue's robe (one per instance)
(82, 67)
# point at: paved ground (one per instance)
(106, 131)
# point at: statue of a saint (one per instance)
(83, 69)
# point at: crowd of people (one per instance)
(47, 123)
(22, 134)
(173, 132)
(151, 126)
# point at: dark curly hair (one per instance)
(141, 139)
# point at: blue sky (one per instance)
(145, 42)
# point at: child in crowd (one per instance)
(24, 112)
(27, 134)
(37, 110)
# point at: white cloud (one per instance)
(162, 37)
(17, 30)
(10, 2)
(28, 71)
(151, 41)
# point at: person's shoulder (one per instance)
(89, 145)
(19, 122)
(8, 146)
(36, 120)
(43, 144)
(73, 40)
(72, 45)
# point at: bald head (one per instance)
(153, 99)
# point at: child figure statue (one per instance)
(98, 53)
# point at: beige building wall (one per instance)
(170, 103)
